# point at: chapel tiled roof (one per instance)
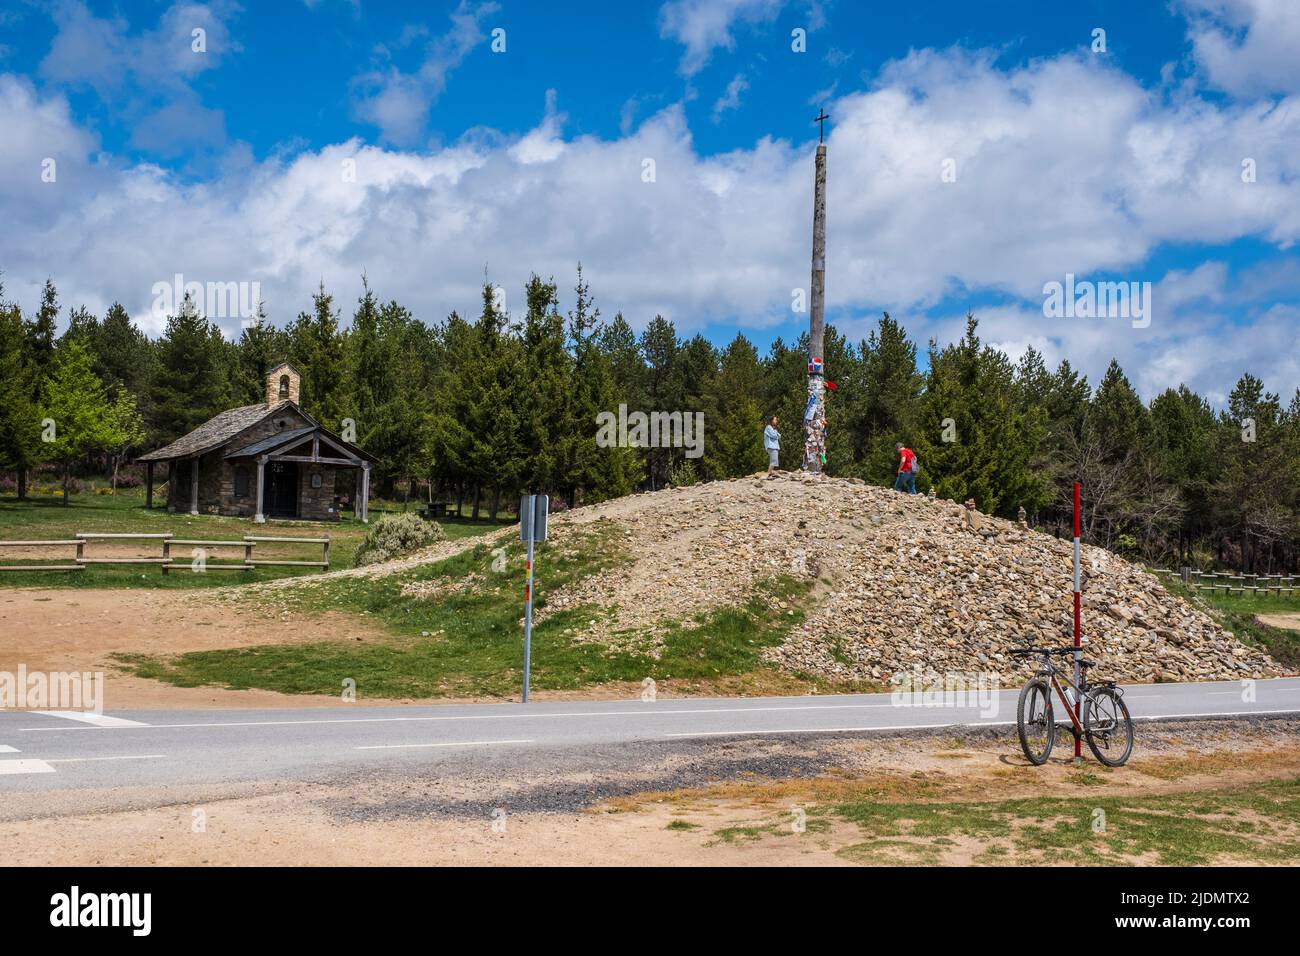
(213, 433)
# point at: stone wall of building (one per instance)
(317, 503)
(245, 507)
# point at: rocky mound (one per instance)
(898, 582)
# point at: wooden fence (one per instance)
(1223, 582)
(197, 561)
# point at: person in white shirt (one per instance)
(772, 442)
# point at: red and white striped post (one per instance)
(1078, 615)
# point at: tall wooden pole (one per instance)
(1078, 611)
(814, 417)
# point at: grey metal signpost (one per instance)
(532, 527)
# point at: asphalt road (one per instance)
(153, 749)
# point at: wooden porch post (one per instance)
(365, 493)
(194, 485)
(171, 484)
(148, 485)
(260, 518)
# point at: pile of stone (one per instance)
(898, 583)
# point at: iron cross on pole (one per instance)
(820, 120)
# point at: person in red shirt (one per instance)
(907, 469)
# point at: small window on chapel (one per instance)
(284, 386)
(241, 481)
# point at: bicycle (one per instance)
(1105, 724)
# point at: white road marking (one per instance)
(123, 757)
(839, 730)
(6, 749)
(90, 717)
(647, 712)
(982, 723)
(1223, 713)
(24, 766)
(463, 743)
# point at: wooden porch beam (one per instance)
(326, 440)
(316, 461)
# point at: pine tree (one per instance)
(1117, 418)
(84, 420)
(261, 347)
(40, 331)
(20, 420)
(192, 381)
(660, 352)
(785, 393)
(123, 354)
(398, 395)
(499, 412)
(449, 439)
(1066, 402)
(598, 473)
(973, 442)
(546, 381)
(883, 403)
(84, 327)
(733, 420)
(38, 359)
(1253, 495)
(1183, 430)
(1115, 460)
(371, 365)
(618, 343)
(316, 350)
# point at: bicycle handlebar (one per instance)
(1042, 651)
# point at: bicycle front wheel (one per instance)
(1107, 726)
(1035, 721)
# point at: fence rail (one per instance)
(165, 560)
(1223, 582)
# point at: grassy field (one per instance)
(456, 632)
(49, 519)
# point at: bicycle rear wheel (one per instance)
(1107, 726)
(1035, 721)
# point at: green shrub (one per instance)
(395, 535)
(683, 475)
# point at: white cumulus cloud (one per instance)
(1062, 166)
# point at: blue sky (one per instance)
(224, 164)
(289, 68)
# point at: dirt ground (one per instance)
(306, 827)
(77, 630)
(1290, 621)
